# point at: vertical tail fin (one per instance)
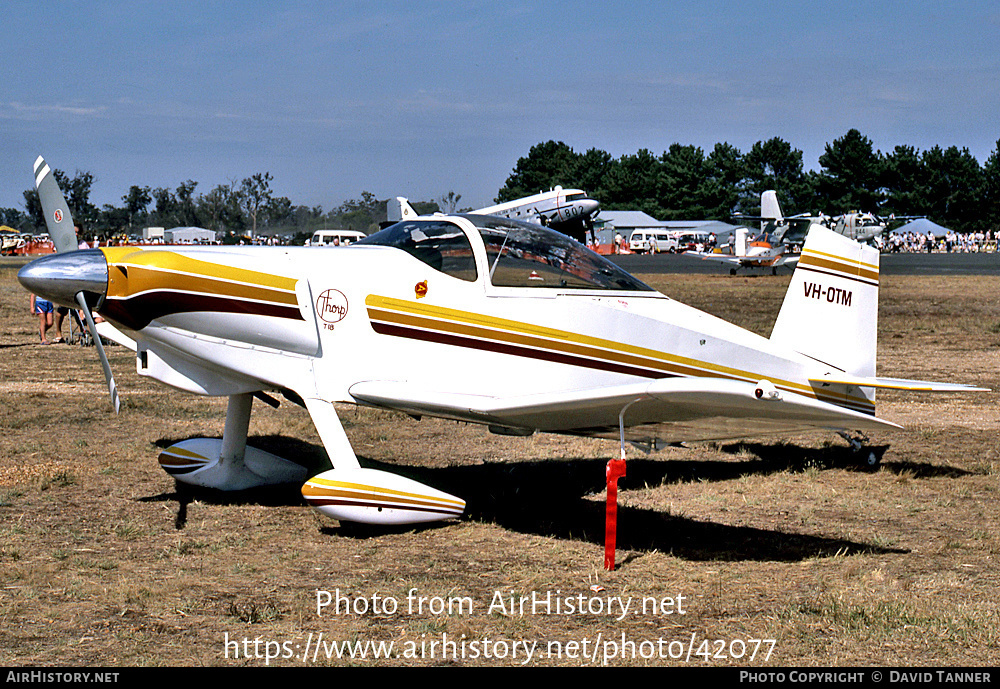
(740, 247)
(830, 312)
(769, 207)
(400, 210)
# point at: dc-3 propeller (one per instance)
(79, 284)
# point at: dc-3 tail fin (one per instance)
(399, 210)
(830, 312)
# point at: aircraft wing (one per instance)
(721, 258)
(748, 261)
(667, 410)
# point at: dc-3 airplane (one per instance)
(468, 317)
(865, 227)
(771, 248)
(569, 211)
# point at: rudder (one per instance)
(830, 312)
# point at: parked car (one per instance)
(651, 242)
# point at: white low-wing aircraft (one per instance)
(759, 251)
(468, 317)
(768, 249)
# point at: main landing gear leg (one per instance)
(234, 435)
(350, 493)
(868, 457)
(229, 464)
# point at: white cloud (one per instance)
(18, 110)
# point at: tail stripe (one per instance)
(839, 266)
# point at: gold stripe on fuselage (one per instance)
(132, 272)
(427, 317)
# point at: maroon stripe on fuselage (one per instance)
(137, 312)
(515, 350)
(558, 357)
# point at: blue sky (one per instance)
(420, 98)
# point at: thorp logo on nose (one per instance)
(331, 306)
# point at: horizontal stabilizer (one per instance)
(896, 384)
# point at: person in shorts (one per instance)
(44, 310)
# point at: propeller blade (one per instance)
(112, 388)
(59, 221)
(57, 216)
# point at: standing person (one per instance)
(61, 312)
(43, 309)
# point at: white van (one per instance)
(688, 240)
(335, 238)
(651, 241)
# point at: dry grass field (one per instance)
(767, 553)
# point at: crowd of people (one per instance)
(969, 242)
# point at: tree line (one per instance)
(949, 186)
(236, 210)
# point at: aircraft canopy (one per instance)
(517, 254)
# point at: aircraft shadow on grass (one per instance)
(554, 498)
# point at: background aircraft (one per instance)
(775, 246)
(468, 317)
(864, 227)
(856, 225)
(566, 210)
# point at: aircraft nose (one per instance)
(59, 277)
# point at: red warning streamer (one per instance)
(614, 471)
